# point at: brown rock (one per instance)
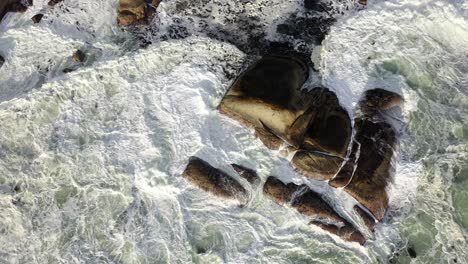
(135, 12)
(309, 203)
(37, 18)
(54, 2)
(213, 180)
(329, 129)
(346, 232)
(316, 165)
(368, 220)
(246, 173)
(374, 146)
(268, 97)
(13, 6)
(79, 56)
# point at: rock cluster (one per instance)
(311, 126)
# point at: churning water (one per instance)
(90, 161)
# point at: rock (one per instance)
(268, 97)
(329, 128)
(67, 70)
(346, 232)
(309, 203)
(374, 146)
(79, 56)
(135, 12)
(316, 165)
(411, 252)
(246, 173)
(213, 180)
(54, 2)
(13, 6)
(368, 220)
(2, 61)
(362, 2)
(37, 18)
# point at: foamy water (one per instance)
(96, 154)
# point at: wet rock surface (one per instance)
(136, 12)
(374, 147)
(213, 180)
(13, 6)
(246, 173)
(309, 203)
(269, 97)
(37, 18)
(54, 2)
(2, 61)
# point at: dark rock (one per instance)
(246, 173)
(37, 18)
(79, 56)
(329, 128)
(67, 70)
(411, 252)
(268, 97)
(369, 168)
(54, 2)
(309, 203)
(13, 6)
(213, 180)
(2, 61)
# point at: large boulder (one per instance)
(135, 12)
(309, 203)
(370, 166)
(268, 97)
(13, 6)
(213, 180)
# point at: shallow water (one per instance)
(90, 161)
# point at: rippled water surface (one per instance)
(90, 161)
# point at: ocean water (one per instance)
(90, 161)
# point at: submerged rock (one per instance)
(309, 203)
(370, 167)
(13, 6)
(246, 173)
(54, 2)
(2, 61)
(79, 56)
(135, 12)
(37, 18)
(213, 180)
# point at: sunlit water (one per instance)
(90, 161)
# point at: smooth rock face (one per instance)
(309, 203)
(13, 6)
(135, 12)
(268, 97)
(213, 180)
(246, 173)
(375, 144)
(316, 165)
